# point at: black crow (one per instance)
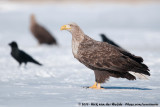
(20, 55)
(105, 39)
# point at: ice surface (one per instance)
(61, 80)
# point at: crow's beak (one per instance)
(9, 44)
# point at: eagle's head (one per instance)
(75, 30)
(72, 27)
(32, 19)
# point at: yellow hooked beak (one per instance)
(65, 27)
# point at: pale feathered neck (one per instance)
(33, 20)
(77, 34)
(77, 38)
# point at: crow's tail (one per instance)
(36, 62)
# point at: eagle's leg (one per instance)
(99, 86)
(39, 44)
(94, 85)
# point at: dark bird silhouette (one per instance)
(104, 59)
(20, 55)
(40, 33)
(105, 39)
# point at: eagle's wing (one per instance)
(103, 56)
(136, 58)
(42, 34)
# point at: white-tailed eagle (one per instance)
(40, 33)
(104, 59)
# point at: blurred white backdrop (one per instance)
(134, 26)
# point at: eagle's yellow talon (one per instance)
(96, 86)
(93, 87)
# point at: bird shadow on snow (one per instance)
(122, 88)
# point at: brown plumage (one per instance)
(40, 33)
(104, 59)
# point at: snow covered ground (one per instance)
(60, 82)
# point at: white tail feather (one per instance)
(139, 76)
